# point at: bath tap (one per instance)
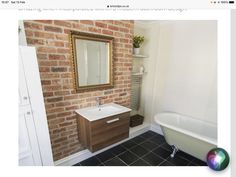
(98, 103)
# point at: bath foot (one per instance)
(175, 150)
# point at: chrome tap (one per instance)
(98, 103)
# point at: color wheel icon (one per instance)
(217, 159)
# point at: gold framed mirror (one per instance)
(92, 57)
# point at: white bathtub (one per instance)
(190, 135)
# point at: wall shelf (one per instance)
(138, 74)
(139, 56)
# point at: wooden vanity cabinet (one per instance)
(101, 133)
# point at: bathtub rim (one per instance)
(187, 132)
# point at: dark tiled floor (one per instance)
(147, 149)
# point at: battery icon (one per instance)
(231, 2)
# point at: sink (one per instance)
(106, 110)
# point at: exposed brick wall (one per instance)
(50, 37)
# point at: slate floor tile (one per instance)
(140, 162)
(92, 161)
(104, 156)
(128, 157)
(152, 159)
(114, 162)
(139, 150)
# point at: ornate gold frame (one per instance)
(94, 37)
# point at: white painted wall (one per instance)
(181, 68)
(141, 30)
(185, 69)
(150, 31)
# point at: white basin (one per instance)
(106, 110)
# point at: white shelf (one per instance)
(138, 74)
(140, 56)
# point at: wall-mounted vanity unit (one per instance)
(103, 125)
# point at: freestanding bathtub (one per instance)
(190, 135)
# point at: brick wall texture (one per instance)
(51, 39)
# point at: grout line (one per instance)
(166, 161)
(115, 155)
(128, 149)
(123, 161)
(141, 157)
(143, 160)
(149, 151)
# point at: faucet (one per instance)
(98, 103)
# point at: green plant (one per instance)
(137, 41)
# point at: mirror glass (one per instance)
(92, 60)
(93, 63)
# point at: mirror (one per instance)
(92, 60)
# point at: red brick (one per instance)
(62, 50)
(119, 23)
(29, 25)
(56, 57)
(72, 107)
(55, 99)
(44, 69)
(51, 116)
(29, 33)
(114, 28)
(95, 30)
(52, 88)
(47, 63)
(60, 140)
(56, 43)
(42, 56)
(63, 104)
(108, 32)
(66, 124)
(59, 130)
(124, 40)
(49, 105)
(47, 94)
(44, 35)
(62, 23)
(87, 22)
(64, 114)
(46, 82)
(109, 21)
(66, 75)
(101, 24)
(68, 87)
(35, 41)
(53, 29)
(79, 26)
(125, 30)
(60, 93)
(64, 63)
(44, 21)
(118, 34)
(55, 110)
(58, 69)
(46, 50)
(63, 37)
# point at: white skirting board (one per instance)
(85, 154)
(156, 128)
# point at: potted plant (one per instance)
(137, 41)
